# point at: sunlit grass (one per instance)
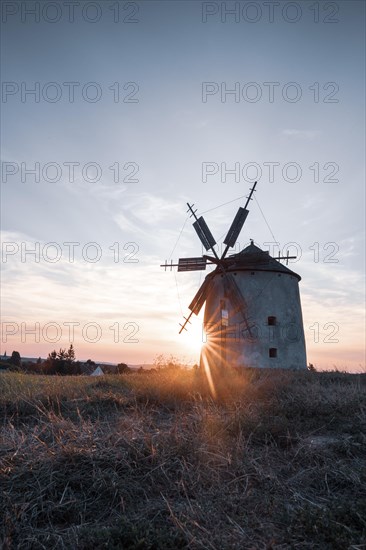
(160, 460)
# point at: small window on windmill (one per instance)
(224, 314)
(273, 352)
(272, 320)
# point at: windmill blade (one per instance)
(186, 321)
(204, 233)
(236, 227)
(192, 264)
(196, 305)
(237, 224)
(205, 289)
(237, 299)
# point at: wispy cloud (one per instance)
(301, 134)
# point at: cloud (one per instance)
(301, 134)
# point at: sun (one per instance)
(194, 337)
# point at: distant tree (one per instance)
(71, 354)
(50, 364)
(311, 367)
(15, 359)
(122, 368)
(76, 366)
(31, 367)
(61, 362)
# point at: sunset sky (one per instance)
(170, 94)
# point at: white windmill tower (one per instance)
(253, 312)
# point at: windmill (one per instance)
(253, 312)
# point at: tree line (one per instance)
(62, 362)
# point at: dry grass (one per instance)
(277, 460)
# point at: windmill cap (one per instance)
(253, 258)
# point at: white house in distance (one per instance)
(97, 372)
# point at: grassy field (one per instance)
(274, 460)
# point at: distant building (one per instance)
(98, 372)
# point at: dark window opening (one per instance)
(222, 304)
(273, 352)
(272, 320)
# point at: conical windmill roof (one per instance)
(252, 258)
